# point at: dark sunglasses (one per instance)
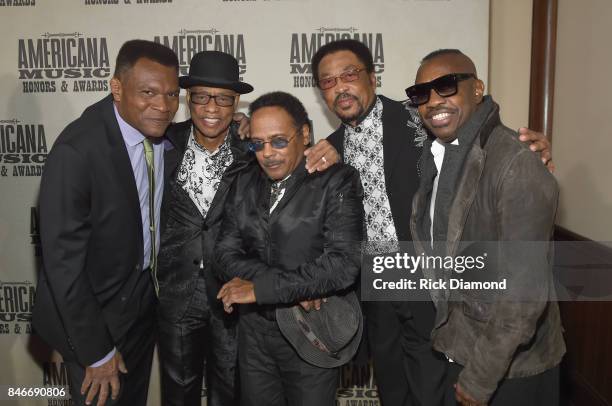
(276, 143)
(445, 86)
(222, 100)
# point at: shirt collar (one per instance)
(131, 136)
(366, 120)
(299, 172)
(437, 147)
(223, 147)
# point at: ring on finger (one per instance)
(324, 160)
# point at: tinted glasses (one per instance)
(222, 100)
(348, 76)
(276, 143)
(445, 86)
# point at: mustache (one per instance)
(271, 162)
(344, 95)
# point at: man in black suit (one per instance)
(207, 154)
(100, 199)
(288, 237)
(382, 139)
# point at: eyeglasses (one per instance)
(276, 143)
(222, 100)
(348, 76)
(445, 86)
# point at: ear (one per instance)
(306, 134)
(479, 88)
(236, 101)
(373, 79)
(115, 85)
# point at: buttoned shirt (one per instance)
(201, 171)
(363, 149)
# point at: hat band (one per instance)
(310, 335)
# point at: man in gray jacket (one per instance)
(479, 183)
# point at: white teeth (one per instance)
(441, 116)
(211, 120)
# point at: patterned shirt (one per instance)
(363, 149)
(201, 171)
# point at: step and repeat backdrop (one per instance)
(57, 57)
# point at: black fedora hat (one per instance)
(214, 69)
(328, 337)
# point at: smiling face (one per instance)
(211, 121)
(146, 96)
(443, 116)
(348, 100)
(268, 123)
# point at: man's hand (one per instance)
(308, 305)
(98, 380)
(464, 399)
(245, 125)
(321, 156)
(539, 143)
(236, 291)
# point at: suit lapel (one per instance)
(294, 185)
(392, 142)
(178, 137)
(418, 211)
(464, 197)
(121, 160)
(216, 207)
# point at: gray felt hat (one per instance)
(328, 337)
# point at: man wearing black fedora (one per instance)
(205, 156)
(289, 239)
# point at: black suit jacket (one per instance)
(402, 151)
(308, 247)
(401, 154)
(91, 234)
(186, 237)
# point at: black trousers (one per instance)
(136, 348)
(408, 371)
(538, 390)
(201, 337)
(272, 374)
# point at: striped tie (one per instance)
(148, 148)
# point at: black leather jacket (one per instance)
(308, 247)
(186, 237)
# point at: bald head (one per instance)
(444, 115)
(453, 57)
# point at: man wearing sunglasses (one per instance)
(479, 184)
(205, 156)
(287, 238)
(383, 140)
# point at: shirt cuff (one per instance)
(105, 359)
(264, 290)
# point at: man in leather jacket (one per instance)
(287, 237)
(205, 157)
(480, 184)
